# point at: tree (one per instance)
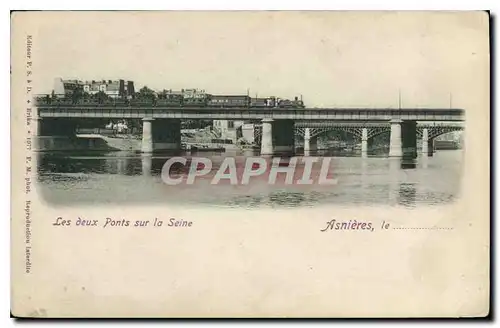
(101, 97)
(146, 93)
(76, 95)
(134, 125)
(164, 94)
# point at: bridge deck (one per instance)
(307, 114)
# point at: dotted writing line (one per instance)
(423, 228)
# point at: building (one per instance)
(248, 132)
(113, 88)
(66, 87)
(172, 92)
(229, 129)
(193, 93)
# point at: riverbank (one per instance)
(63, 143)
(116, 143)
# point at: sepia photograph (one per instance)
(104, 137)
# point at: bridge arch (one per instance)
(313, 132)
(375, 132)
(357, 132)
(436, 131)
(316, 132)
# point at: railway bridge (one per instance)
(365, 133)
(161, 125)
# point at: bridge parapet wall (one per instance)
(320, 114)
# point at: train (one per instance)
(172, 100)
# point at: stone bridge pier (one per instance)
(310, 142)
(430, 148)
(427, 143)
(160, 134)
(403, 140)
(278, 136)
(364, 142)
(409, 139)
(395, 145)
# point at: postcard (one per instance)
(250, 164)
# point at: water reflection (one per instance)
(135, 178)
(423, 161)
(364, 177)
(408, 163)
(407, 194)
(147, 164)
(394, 179)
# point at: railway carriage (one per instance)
(229, 101)
(172, 100)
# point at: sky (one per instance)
(332, 59)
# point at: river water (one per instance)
(117, 178)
